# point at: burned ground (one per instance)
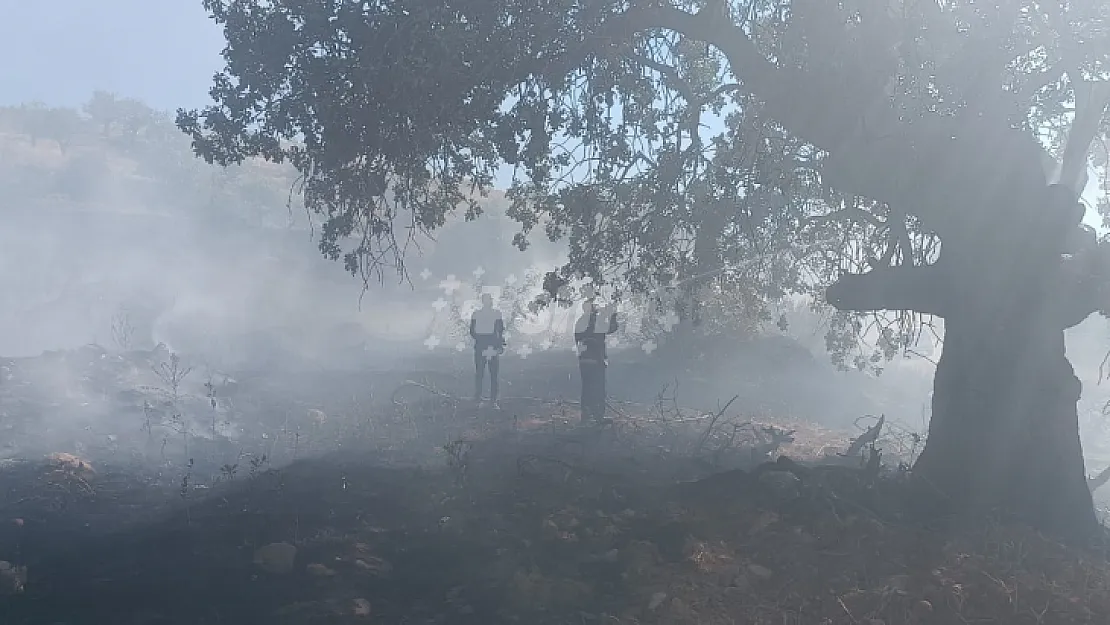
(335, 497)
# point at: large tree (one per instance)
(794, 143)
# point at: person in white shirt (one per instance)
(487, 328)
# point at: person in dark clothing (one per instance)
(589, 337)
(487, 328)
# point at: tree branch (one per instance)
(1091, 101)
(672, 76)
(723, 89)
(669, 74)
(918, 289)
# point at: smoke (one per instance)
(129, 245)
(122, 267)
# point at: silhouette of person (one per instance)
(487, 328)
(592, 359)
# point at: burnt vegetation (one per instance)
(915, 166)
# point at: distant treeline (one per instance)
(119, 155)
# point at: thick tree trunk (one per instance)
(1004, 432)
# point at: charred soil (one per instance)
(437, 511)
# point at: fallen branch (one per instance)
(867, 438)
(429, 389)
(764, 447)
(712, 423)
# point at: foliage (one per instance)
(409, 129)
(60, 125)
(124, 117)
(656, 138)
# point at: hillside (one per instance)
(108, 208)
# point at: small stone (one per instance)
(374, 565)
(361, 607)
(319, 570)
(277, 558)
(657, 600)
(761, 572)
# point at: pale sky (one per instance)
(163, 52)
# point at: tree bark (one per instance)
(916, 288)
(1004, 433)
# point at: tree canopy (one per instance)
(661, 139)
(921, 156)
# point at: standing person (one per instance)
(487, 328)
(592, 359)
